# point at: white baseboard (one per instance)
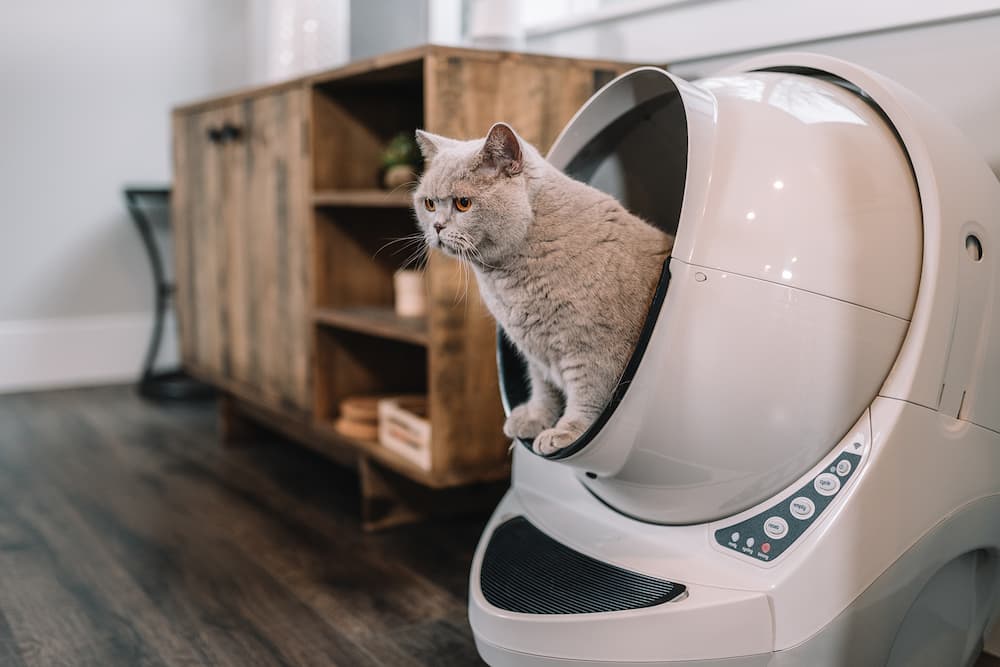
(44, 354)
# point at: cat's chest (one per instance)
(527, 313)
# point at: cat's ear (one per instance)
(430, 144)
(502, 150)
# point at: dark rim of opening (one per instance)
(514, 389)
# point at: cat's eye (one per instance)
(429, 203)
(463, 204)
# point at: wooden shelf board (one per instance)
(401, 198)
(323, 437)
(404, 61)
(379, 321)
(405, 64)
(406, 467)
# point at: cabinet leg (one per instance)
(390, 499)
(387, 499)
(235, 430)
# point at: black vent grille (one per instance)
(524, 570)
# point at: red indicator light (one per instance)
(766, 547)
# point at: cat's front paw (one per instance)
(552, 440)
(527, 421)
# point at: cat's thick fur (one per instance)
(565, 269)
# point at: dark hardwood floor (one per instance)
(128, 536)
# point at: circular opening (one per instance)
(974, 247)
(630, 141)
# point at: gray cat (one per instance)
(564, 268)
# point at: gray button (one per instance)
(843, 468)
(827, 484)
(775, 527)
(735, 537)
(802, 508)
(751, 541)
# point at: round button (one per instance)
(735, 537)
(802, 508)
(765, 548)
(775, 527)
(827, 484)
(843, 468)
(750, 541)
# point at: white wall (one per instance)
(951, 66)
(379, 26)
(672, 30)
(945, 52)
(286, 38)
(85, 94)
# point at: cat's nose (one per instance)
(438, 227)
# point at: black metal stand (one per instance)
(172, 384)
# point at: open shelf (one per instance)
(352, 363)
(401, 198)
(354, 120)
(379, 321)
(358, 249)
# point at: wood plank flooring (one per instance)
(128, 536)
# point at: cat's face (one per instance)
(472, 201)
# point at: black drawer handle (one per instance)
(231, 132)
(228, 132)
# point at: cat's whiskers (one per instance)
(411, 185)
(474, 253)
(407, 240)
(468, 253)
(469, 280)
(461, 265)
(464, 246)
(415, 244)
(418, 258)
(479, 259)
(465, 272)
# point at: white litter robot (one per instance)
(801, 465)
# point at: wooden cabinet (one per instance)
(284, 278)
(243, 246)
(196, 203)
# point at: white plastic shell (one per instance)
(809, 188)
(794, 274)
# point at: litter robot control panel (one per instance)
(767, 534)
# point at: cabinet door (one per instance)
(268, 251)
(198, 204)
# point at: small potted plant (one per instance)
(400, 161)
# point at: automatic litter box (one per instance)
(801, 465)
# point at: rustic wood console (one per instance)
(284, 300)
